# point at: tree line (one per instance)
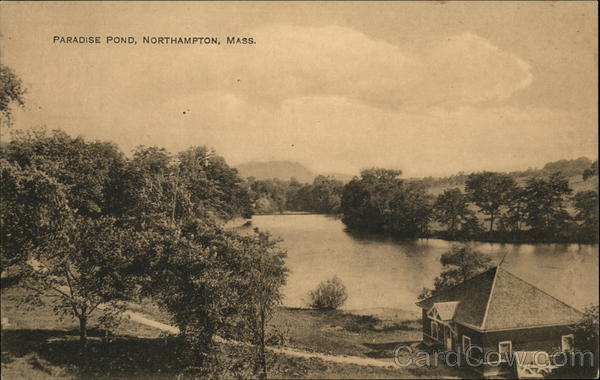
(85, 230)
(534, 205)
(493, 206)
(322, 196)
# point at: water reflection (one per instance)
(387, 273)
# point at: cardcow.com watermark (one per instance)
(475, 356)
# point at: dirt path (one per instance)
(140, 318)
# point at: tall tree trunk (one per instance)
(492, 215)
(83, 340)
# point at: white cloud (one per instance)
(293, 61)
(290, 61)
(469, 69)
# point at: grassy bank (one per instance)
(38, 345)
(340, 333)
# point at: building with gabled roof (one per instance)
(497, 311)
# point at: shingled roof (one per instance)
(497, 299)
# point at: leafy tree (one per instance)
(586, 330)
(330, 294)
(379, 201)
(83, 271)
(155, 186)
(299, 197)
(545, 210)
(11, 92)
(489, 191)
(514, 217)
(57, 232)
(268, 195)
(326, 194)
(471, 227)
(451, 209)
(84, 168)
(32, 208)
(214, 283)
(264, 275)
(366, 200)
(195, 287)
(211, 183)
(586, 207)
(410, 211)
(145, 190)
(582, 365)
(459, 264)
(292, 201)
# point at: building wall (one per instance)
(534, 339)
(546, 339)
(476, 340)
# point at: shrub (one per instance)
(330, 294)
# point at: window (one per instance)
(566, 342)
(435, 331)
(505, 350)
(466, 343)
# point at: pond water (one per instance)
(382, 273)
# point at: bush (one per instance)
(330, 294)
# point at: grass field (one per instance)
(338, 333)
(38, 345)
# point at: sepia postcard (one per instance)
(299, 189)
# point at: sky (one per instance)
(431, 88)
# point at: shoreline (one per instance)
(434, 235)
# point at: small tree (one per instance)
(83, 272)
(260, 289)
(330, 294)
(459, 264)
(586, 331)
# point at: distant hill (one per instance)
(283, 170)
(571, 169)
(568, 168)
